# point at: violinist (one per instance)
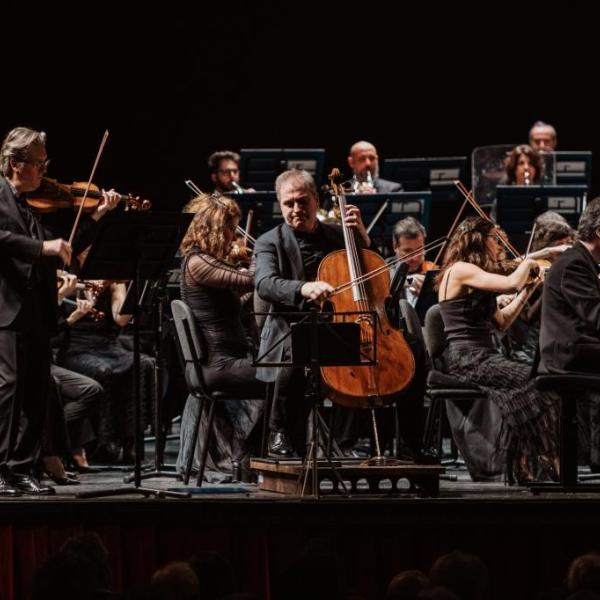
(570, 323)
(551, 237)
(287, 259)
(527, 427)
(29, 309)
(408, 236)
(216, 290)
(224, 167)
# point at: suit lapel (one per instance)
(292, 251)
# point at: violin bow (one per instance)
(450, 232)
(89, 183)
(196, 190)
(471, 200)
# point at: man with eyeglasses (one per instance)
(28, 297)
(224, 168)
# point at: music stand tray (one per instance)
(135, 246)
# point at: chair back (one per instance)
(435, 336)
(191, 346)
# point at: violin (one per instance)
(426, 265)
(52, 196)
(94, 314)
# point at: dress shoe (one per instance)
(63, 479)
(7, 490)
(280, 445)
(28, 484)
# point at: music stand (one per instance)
(318, 341)
(135, 246)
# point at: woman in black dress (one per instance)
(215, 289)
(468, 285)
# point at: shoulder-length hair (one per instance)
(513, 158)
(212, 215)
(467, 244)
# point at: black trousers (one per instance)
(74, 399)
(24, 386)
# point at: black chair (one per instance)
(569, 386)
(441, 386)
(194, 355)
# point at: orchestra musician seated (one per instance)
(468, 284)
(364, 162)
(524, 166)
(92, 348)
(408, 237)
(542, 137)
(215, 289)
(224, 166)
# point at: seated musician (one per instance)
(92, 348)
(409, 236)
(524, 166)
(213, 287)
(570, 323)
(224, 167)
(364, 162)
(468, 284)
(287, 260)
(552, 236)
(68, 429)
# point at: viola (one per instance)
(52, 196)
(365, 385)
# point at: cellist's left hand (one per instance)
(109, 201)
(354, 219)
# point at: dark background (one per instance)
(176, 81)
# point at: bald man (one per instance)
(364, 162)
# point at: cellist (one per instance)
(287, 259)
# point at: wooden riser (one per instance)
(290, 477)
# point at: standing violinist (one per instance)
(287, 259)
(28, 318)
(570, 324)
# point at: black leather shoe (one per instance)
(28, 484)
(280, 445)
(7, 490)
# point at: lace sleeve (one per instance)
(207, 270)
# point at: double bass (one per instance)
(369, 385)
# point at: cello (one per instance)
(368, 385)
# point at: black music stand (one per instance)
(317, 341)
(135, 246)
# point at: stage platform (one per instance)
(527, 541)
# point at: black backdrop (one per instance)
(177, 81)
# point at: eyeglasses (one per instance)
(38, 164)
(228, 171)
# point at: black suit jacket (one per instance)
(384, 186)
(18, 253)
(279, 278)
(570, 326)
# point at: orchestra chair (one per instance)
(568, 386)
(440, 386)
(194, 354)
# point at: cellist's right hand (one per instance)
(316, 290)
(58, 247)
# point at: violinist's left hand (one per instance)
(109, 201)
(354, 219)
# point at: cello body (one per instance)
(366, 386)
